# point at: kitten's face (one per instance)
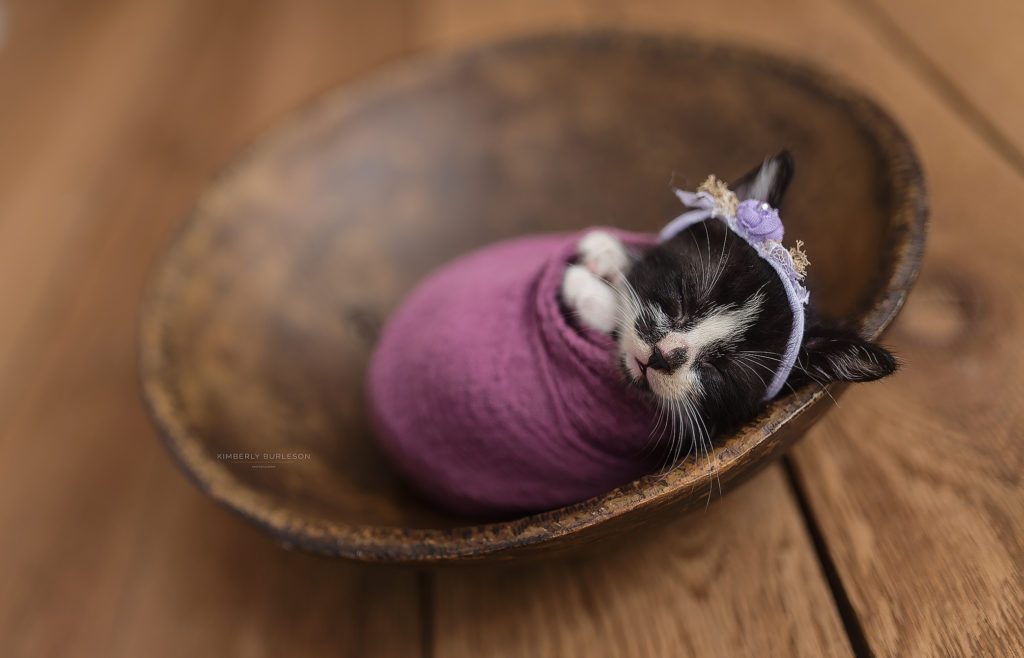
(702, 320)
(704, 326)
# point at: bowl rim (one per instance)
(397, 545)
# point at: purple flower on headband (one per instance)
(758, 221)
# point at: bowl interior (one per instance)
(260, 320)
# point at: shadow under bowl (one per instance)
(258, 323)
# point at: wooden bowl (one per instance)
(257, 326)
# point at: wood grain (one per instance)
(737, 579)
(919, 505)
(915, 481)
(48, 193)
(921, 499)
(971, 52)
(106, 549)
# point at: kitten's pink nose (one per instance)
(666, 360)
(674, 343)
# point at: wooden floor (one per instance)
(895, 528)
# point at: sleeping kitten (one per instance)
(702, 320)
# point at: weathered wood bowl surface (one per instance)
(257, 326)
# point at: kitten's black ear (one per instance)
(834, 354)
(767, 182)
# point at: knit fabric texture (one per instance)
(491, 401)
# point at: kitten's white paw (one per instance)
(603, 254)
(592, 299)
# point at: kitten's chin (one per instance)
(671, 388)
(659, 385)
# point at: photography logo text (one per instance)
(264, 459)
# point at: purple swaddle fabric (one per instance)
(491, 401)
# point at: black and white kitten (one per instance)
(702, 320)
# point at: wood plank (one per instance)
(915, 482)
(739, 579)
(51, 169)
(58, 176)
(907, 529)
(972, 51)
(104, 548)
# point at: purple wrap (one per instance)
(491, 402)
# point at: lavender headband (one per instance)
(759, 224)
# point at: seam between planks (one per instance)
(847, 614)
(906, 49)
(426, 601)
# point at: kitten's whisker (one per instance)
(745, 362)
(680, 437)
(767, 367)
(700, 254)
(799, 366)
(718, 276)
(747, 368)
(774, 355)
(759, 364)
(704, 446)
(721, 261)
(762, 354)
(763, 361)
(677, 444)
(702, 440)
(627, 303)
(689, 422)
(707, 271)
(672, 437)
(766, 361)
(707, 438)
(634, 299)
(640, 311)
(657, 432)
(676, 455)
